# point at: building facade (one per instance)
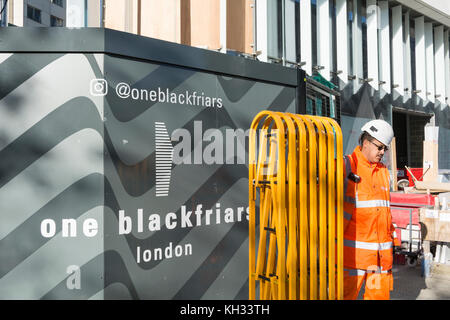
(388, 59)
(36, 13)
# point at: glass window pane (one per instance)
(58, 2)
(350, 35)
(56, 22)
(34, 14)
(314, 32)
(76, 13)
(274, 30)
(290, 12)
(309, 106)
(283, 29)
(318, 106)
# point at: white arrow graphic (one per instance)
(164, 155)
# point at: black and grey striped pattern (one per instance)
(69, 155)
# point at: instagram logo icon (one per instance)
(99, 87)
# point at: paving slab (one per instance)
(409, 284)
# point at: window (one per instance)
(56, 22)
(275, 31)
(34, 14)
(314, 32)
(58, 3)
(283, 22)
(350, 35)
(334, 68)
(412, 49)
(291, 32)
(363, 16)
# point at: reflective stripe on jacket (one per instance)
(368, 229)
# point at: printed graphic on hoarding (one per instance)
(51, 177)
(201, 221)
(134, 175)
(164, 156)
(220, 149)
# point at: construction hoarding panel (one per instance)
(52, 176)
(177, 169)
(125, 178)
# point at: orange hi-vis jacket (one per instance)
(368, 229)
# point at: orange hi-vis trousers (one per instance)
(378, 284)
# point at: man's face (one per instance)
(373, 150)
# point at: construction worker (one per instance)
(368, 230)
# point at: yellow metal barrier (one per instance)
(296, 175)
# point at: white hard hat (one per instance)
(380, 130)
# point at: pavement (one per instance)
(409, 284)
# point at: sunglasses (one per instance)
(379, 147)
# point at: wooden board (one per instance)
(432, 186)
(414, 190)
(435, 224)
(240, 25)
(430, 159)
